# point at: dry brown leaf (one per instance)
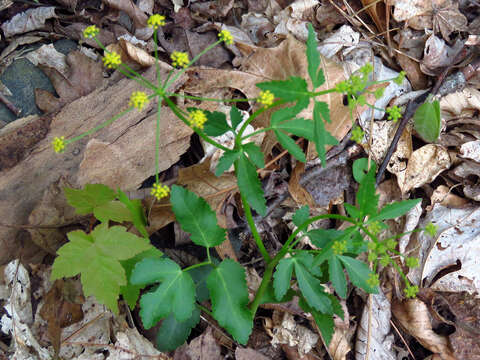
(47, 55)
(248, 354)
(138, 16)
(443, 196)
(413, 315)
(462, 103)
(129, 52)
(297, 191)
(204, 347)
(437, 55)
(377, 11)
(471, 150)
(29, 20)
(424, 165)
(416, 77)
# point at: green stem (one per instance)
(206, 99)
(157, 140)
(253, 227)
(323, 92)
(198, 265)
(205, 310)
(255, 133)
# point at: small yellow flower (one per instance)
(179, 59)
(197, 118)
(156, 20)
(411, 291)
(266, 98)
(374, 227)
(431, 229)
(373, 280)
(111, 60)
(394, 113)
(138, 100)
(357, 134)
(339, 247)
(59, 144)
(91, 31)
(226, 37)
(160, 191)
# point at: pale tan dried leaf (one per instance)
(136, 54)
(18, 41)
(297, 191)
(47, 55)
(204, 347)
(248, 354)
(132, 341)
(443, 196)
(437, 55)
(376, 10)
(461, 103)
(424, 165)
(29, 20)
(413, 315)
(406, 9)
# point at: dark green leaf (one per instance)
(85, 200)
(322, 136)
(427, 121)
(391, 211)
(352, 211)
(337, 277)
(136, 209)
(287, 113)
(235, 117)
(226, 161)
(196, 217)
(173, 333)
(301, 215)
(313, 58)
(289, 144)
(216, 123)
(229, 294)
(312, 289)
(282, 277)
(255, 154)
(199, 276)
(299, 127)
(367, 200)
(321, 237)
(324, 111)
(249, 184)
(324, 321)
(358, 273)
(269, 296)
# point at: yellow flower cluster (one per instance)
(156, 20)
(91, 31)
(111, 60)
(197, 118)
(138, 100)
(59, 144)
(160, 191)
(226, 37)
(179, 59)
(266, 98)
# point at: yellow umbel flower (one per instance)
(156, 20)
(179, 59)
(197, 118)
(266, 98)
(112, 60)
(226, 37)
(91, 31)
(59, 144)
(138, 100)
(160, 191)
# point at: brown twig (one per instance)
(10, 106)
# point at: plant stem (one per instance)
(255, 133)
(323, 92)
(206, 99)
(205, 310)
(157, 139)
(198, 265)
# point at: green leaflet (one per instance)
(173, 333)
(176, 293)
(312, 289)
(282, 277)
(301, 215)
(396, 209)
(87, 199)
(289, 144)
(321, 135)
(235, 117)
(367, 200)
(226, 161)
(291, 90)
(298, 127)
(337, 277)
(313, 59)
(229, 294)
(358, 273)
(196, 217)
(216, 123)
(113, 210)
(249, 184)
(255, 154)
(136, 209)
(324, 321)
(96, 257)
(427, 120)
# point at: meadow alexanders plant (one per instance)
(121, 263)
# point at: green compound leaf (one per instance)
(291, 90)
(367, 200)
(399, 208)
(255, 154)
(196, 217)
(427, 121)
(131, 292)
(324, 321)
(249, 184)
(299, 127)
(283, 114)
(358, 273)
(87, 199)
(229, 294)
(235, 117)
(312, 289)
(96, 257)
(353, 211)
(289, 144)
(301, 215)
(313, 58)
(113, 210)
(337, 276)
(226, 161)
(216, 123)
(321, 135)
(173, 333)
(282, 277)
(176, 293)
(321, 237)
(136, 210)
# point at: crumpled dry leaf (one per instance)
(345, 36)
(84, 77)
(471, 150)
(131, 344)
(142, 31)
(437, 55)
(294, 18)
(413, 315)
(47, 55)
(248, 354)
(424, 165)
(16, 42)
(376, 10)
(129, 52)
(204, 347)
(462, 103)
(443, 196)
(29, 20)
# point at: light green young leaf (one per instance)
(176, 293)
(313, 58)
(427, 121)
(87, 199)
(229, 294)
(96, 257)
(173, 333)
(255, 154)
(367, 200)
(216, 123)
(399, 208)
(337, 277)
(113, 210)
(301, 215)
(312, 289)
(322, 136)
(289, 144)
(249, 184)
(131, 292)
(282, 277)
(358, 273)
(299, 127)
(196, 217)
(226, 161)
(235, 117)
(136, 210)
